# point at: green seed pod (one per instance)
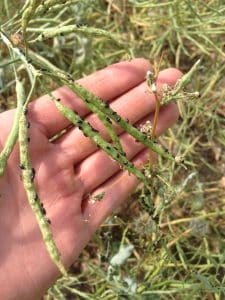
(26, 16)
(56, 31)
(34, 201)
(108, 124)
(12, 138)
(74, 118)
(114, 137)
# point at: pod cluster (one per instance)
(89, 131)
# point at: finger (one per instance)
(107, 83)
(116, 190)
(134, 105)
(102, 167)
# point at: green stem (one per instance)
(12, 138)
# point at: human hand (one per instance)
(68, 170)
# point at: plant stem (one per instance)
(12, 138)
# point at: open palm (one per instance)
(68, 171)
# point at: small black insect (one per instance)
(142, 197)
(147, 192)
(43, 69)
(22, 167)
(108, 148)
(61, 34)
(123, 153)
(46, 10)
(58, 99)
(69, 77)
(21, 51)
(36, 197)
(28, 139)
(108, 120)
(81, 25)
(156, 218)
(49, 221)
(145, 137)
(33, 174)
(43, 210)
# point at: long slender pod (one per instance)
(34, 201)
(26, 16)
(108, 124)
(62, 30)
(12, 138)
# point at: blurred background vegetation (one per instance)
(183, 257)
